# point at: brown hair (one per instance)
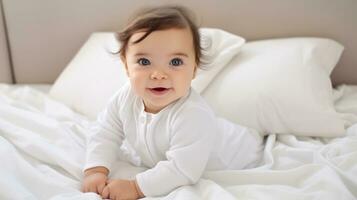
(160, 18)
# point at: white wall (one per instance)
(45, 35)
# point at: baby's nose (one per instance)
(158, 75)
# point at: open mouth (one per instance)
(159, 90)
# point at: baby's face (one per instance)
(161, 67)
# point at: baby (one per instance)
(169, 125)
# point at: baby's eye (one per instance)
(143, 61)
(176, 62)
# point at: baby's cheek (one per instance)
(183, 89)
(137, 86)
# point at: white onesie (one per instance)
(178, 144)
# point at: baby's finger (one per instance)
(93, 188)
(112, 196)
(105, 193)
(84, 188)
(100, 188)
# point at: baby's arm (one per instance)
(103, 146)
(191, 143)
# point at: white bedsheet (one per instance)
(42, 144)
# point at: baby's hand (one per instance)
(121, 189)
(94, 182)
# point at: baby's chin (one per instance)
(156, 105)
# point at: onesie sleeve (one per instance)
(193, 133)
(107, 135)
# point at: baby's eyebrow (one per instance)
(141, 54)
(180, 54)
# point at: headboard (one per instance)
(5, 69)
(43, 36)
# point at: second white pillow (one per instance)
(280, 86)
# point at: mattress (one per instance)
(42, 148)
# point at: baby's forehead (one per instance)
(166, 41)
(161, 34)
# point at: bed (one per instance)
(293, 78)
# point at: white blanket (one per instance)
(42, 145)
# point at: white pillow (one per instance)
(220, 47)
(280, 86)
(94, 74)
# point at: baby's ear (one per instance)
(194, 72)
(123, 60)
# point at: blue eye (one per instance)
(176, 62)
(143, 61)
